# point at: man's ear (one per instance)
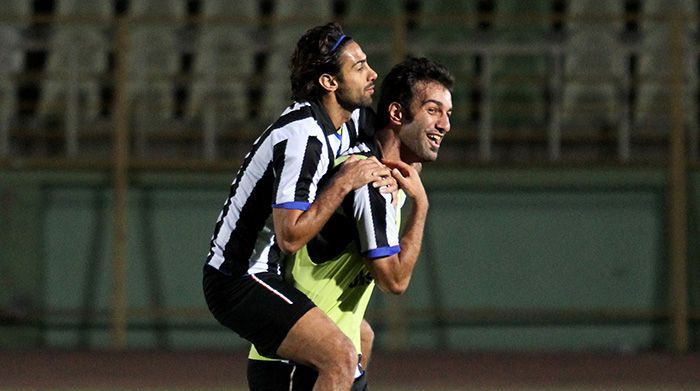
(328, 82)
(395, 114)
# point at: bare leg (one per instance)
(366, 342)
(317, 342)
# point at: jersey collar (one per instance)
(322, 118)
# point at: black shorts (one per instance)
(283, 376)
(261, 308)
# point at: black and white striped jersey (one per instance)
(366, 217)
(282, 170)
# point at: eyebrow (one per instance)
(437, 102)
(425, 102)
(364, 60)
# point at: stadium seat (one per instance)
(519, 79)
(153, 60)
(594, 74)
(653, 111)
(372, 24)
(522, 20)
(444, 25)
(290, 20)
(518, 91)
(598, 15)
(223, 67)
(14, 18)
(77, 59)
(445, 31)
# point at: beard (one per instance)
(349, 102)
(415, 148)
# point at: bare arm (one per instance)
(294, 228)
(393, 273)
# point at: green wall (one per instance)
(501, 245)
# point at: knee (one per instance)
(344, 353)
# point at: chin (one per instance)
(429, 158)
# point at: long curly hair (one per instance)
(316, 53)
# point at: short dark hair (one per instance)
(399, 84)
(316, 53)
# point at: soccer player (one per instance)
(275, 207)
(360, 245)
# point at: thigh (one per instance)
(261, 308)
(314, 339)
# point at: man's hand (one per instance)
(408, 179)
(359, 172)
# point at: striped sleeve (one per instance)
(298, 164)
(377, 223)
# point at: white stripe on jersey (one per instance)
(254, 233)
(266, 238)
(367, 229)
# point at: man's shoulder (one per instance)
(298, 117)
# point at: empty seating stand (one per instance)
(223, 72)
(518, 67)
(660, 70)
(153, 61)
(595, 81)
(14, 18)
(76, 66)
(447, 31)
(369, 24)
(289, 20)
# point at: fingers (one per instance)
(375, 168)
(398, 175)
(386, 184)
(360, 171)
(404, 168)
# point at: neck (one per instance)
(389, 144)
(335, 111)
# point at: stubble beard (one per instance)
(350, 104)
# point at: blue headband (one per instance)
(337, 43)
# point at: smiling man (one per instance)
(360, 246)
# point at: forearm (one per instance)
(411, 242)
(294, 230)
(393, 275)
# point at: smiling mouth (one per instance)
(435, 139)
